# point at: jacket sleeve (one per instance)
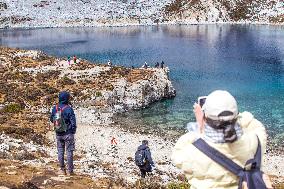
(179, 151)
(72, 121)
(52, 114)
(252, 125)
(149, 157)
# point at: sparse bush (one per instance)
(241, 10)
(47, 89)
(50, 99)
(279, 186)
(33, 94)
(178, 185)
(99, 94)
(143, 184)
(50, 75)
(66, 81)
(12, 108)
(277, 19)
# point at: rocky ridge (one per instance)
(75, 13)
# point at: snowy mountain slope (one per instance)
(64, 13)
(55, 13)
(193, 11)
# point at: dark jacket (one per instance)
(147, 152)
(67, 114)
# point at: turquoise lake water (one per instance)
(246, 60)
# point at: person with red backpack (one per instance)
(64, 120)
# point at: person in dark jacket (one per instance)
(149, 164)
(65, 140)
(162, 64)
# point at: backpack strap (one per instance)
(256, 161)
(64, 107)
(230, 165)
(218, 157)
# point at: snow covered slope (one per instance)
(200, 11)
(61, 13)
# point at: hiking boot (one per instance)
(62, 172)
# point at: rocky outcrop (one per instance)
(220, 11)
(34, 80)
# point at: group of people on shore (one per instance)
(109, 63)
(222, 149)
(74, 59)
(157, 65)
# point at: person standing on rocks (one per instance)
(157, 65)
(69, 60)
(143, 159)
(75, 59)
(109, 63)
(162, 64)
(64, 120)
(145, 65)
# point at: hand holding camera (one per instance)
(199, 115)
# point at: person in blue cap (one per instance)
(64, 120)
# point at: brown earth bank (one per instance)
(29, 85)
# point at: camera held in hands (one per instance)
(201, 100)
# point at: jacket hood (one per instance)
(142, 147)
(244, 119)
(64, 97)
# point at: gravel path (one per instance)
(95, 143)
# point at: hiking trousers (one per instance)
(66, 142)
(145, 169)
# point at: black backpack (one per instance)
(253, 177)
(140, 158)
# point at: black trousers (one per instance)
(145, 169)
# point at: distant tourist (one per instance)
(145, 65)
(69, 60)
(143, 159)
(63, 118)
(75, 59)
(157, 65)
(132, 67)
(162, 64)
(223, 147)
(109, 63)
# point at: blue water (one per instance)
(246, 60)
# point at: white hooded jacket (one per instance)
(202, 172)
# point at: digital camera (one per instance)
(201, 100)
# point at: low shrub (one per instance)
(178, 185)
(99, 94)
(66, 81)
(12, 108)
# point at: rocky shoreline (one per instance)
(29, 85)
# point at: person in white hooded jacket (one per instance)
(237, 139)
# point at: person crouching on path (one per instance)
(63, 118)
(236, 135)
(143, 159)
